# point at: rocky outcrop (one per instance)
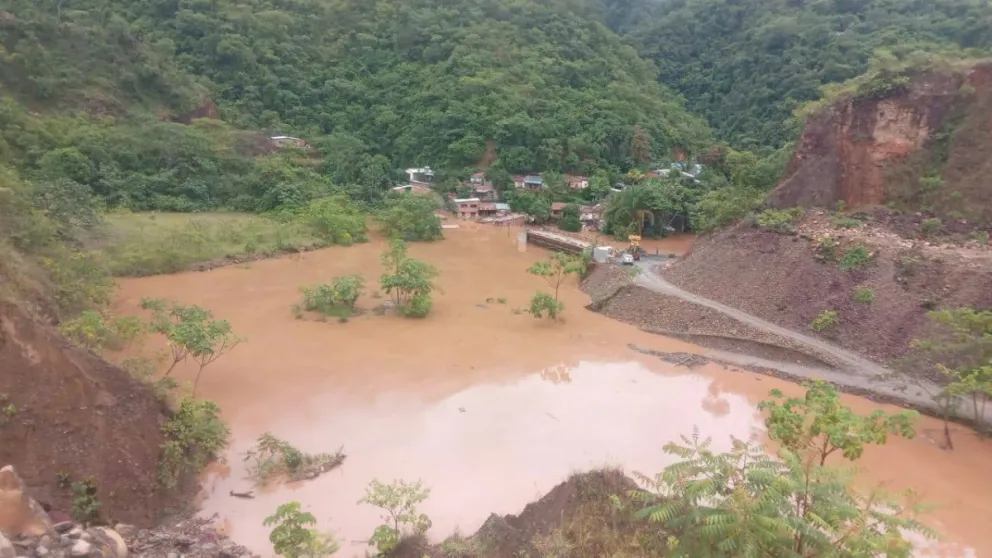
(26, 531)
(20, 514)
(189, 539)
(914, 148)
(69, 415)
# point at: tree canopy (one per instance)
(747, 65)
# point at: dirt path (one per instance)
(856, 373)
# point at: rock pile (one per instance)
(26, 531)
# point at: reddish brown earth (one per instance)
(871, 151)
(76, 415)
(779, 278)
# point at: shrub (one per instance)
(85, 504)
(570, 219)
(337, 299)
(826, 248)
(981, 237)
(410, 282)
(94, 331)
(826, 320)
(846, 223)
(398, 501)
(543, 303)
(273, 457)
(864, 295)
(854, 258)
(781, 221)
(721, 207)
(293, 535)
(193, 436)
(931, 226)
(335, 219)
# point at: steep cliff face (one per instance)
(67, 412)
(925, 148)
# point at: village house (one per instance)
(282, 142)
(591, 216)
(529, 182)
(557, 208)
(576, 182)
(482, 188)
(467, 208)
(493, 209)
(420, 175)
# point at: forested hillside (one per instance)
(417, 82)
(745, 65)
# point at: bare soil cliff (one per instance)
(67, 412)
(925, 147)
(907, 177)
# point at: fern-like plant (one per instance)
(744, 504)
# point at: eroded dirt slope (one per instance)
(925, 147)
(72, 413)
(788, 280)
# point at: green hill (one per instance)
(745, 65)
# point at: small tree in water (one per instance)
(961, 355)
(192, 332)
(543, 303)
(408, 281)
(398, 501)
(557, 267)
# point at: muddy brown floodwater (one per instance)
(491, 408)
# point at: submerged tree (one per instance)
(410, 282)
(557, 268)
(961, 356)
(192, 332)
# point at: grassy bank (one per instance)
(138, 244)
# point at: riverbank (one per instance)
(736, 338)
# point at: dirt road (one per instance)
(856, 372)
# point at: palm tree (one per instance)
(628, 210)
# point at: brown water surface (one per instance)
(491, 408)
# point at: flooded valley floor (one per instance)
(488, 406)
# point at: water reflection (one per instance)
(487, 449)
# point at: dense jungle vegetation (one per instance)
(746, 65)
(167, 105)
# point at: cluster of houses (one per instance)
(484, 203)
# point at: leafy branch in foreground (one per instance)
(743, 504)
(819, 425)
(294, 536)
(273, 457)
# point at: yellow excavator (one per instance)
(634, 249)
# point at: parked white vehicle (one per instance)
(627, 258)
